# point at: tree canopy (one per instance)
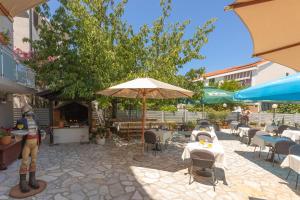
(86, 46)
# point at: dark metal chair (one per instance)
(281, 147)
(150, 138)
(203, 160)
(203, 122)
(294, 150)
(280, 129)
(203, 136)
(251, 134)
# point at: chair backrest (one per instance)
(204, 136)
(295, 150)
(241, 125)
(203, 122)
(281, 128)
(282, 147)
(293, 128)
(252, 132)
(150, 137)
(202, 159)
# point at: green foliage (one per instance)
(288, 108)
(86, 46)
(231, 85)
(4, 133)
(191, 124)
(170, 108)
(218, 116)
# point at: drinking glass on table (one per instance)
(202, 141)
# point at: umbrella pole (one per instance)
(143, 122)
(202, 110)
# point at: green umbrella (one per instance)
(216, 96)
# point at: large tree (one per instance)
(87, 46)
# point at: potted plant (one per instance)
(4, 37)
(100, 136)
(5, 137)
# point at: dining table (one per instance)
(292, 134)
(243, 131)
(265, 140)
(292, 162)
(163, 135)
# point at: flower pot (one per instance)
(61, 124)
(3, 40)
(100, 141)
(5, 140)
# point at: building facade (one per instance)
(250, 74)
(15, 77)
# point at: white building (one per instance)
(250, 74)
(15, 77)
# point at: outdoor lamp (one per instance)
(274, 106)
(224, 105)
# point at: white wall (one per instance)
(270, 72)
(21, 30)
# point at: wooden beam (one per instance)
(277, 49)
(6, 12)
(247, 3)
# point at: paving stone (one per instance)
(137, 196)
(110, 173)
(129, 188)
(59, 197)
(116, 190)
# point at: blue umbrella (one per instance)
(284, 89)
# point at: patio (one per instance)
(91, 171)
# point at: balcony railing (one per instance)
(12, 69)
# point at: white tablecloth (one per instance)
(216, 149)
(258, 140)
(163, 135)
(293, 162)
(243, 131)
(270, 128)
(264, 140)
(211, 132)
(293, 134)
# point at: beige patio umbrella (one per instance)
(274, 28)
(146, 88)
(11, 8)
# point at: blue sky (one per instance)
(229, 45)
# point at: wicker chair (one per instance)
(294, 150)
(282, 147)
(204, 136)
(203, 122)
(280, 129)
(150, 138)
(203, 160)
(251, 134)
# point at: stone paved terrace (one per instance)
(90, 171)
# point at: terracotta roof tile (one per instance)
(235, 68)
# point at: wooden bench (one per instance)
(9, 153)
(131, 130)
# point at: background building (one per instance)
(250, 74)
(15, 77)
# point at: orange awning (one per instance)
(274, 28)
(11, 8)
